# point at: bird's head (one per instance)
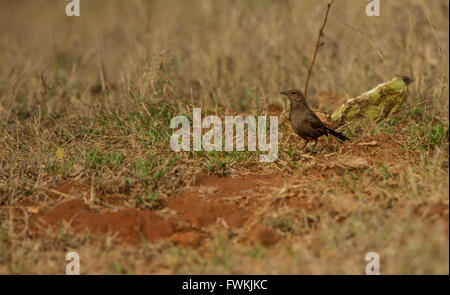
(294, 95)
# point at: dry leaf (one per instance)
(352, 163)
(371, 143)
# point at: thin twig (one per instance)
(318, 44)
(60, 193)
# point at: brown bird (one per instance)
(303, 120)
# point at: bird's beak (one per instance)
(284, 93)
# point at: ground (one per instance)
(86, 164)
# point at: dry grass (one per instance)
(88, 100)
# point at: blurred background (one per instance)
(236, 54)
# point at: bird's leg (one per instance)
(314, 146)
(306, 143)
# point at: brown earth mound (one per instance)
(209, 201)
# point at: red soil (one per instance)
(206, 203)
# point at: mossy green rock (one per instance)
(381, 101)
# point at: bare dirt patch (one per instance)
(130, 225)
(194, 210)
(209, 201)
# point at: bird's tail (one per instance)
(337, 134)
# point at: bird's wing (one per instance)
(315, 121)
